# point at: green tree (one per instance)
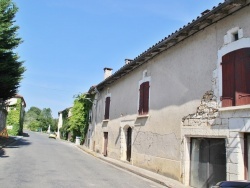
(79, 121)
(11, 69)
(31, 120)
(37, 119)
(54, 125)
(45, 118)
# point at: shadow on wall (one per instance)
(141, 121)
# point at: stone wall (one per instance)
(206, 112)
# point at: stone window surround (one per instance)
(229, 37)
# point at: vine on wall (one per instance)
(79, 121)
(15, 119)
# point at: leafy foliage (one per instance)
(14, 120)
(37, 119)
(11, 68)
(78, 122)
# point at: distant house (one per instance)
(16, 111)
(182, 108)
(63, 117)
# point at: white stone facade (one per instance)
(184, 103)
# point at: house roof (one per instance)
(64, 110)
(21, 97)
(207, 18)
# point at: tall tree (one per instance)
(11, 69)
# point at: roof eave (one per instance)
(209, 18)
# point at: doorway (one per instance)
(129, 140)
(105, 148)
(208, 162)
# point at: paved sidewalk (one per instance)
(168, 182)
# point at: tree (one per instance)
(31, 120)
(79, 121)
(37, 119)
(11, 69)
(45, 118)
(54, 125)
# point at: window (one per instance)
(107, 106)
(144, 98)
(236, 78)
(90, 116)
(236, 36)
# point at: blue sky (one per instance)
(67, 43)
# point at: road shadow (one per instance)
(2, 153)
(12, 143)
(26, 135)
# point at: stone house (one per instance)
(63, 117)
(182, 107)
(17, 104)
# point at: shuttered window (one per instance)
(107, 106)
(144, 98)
(236, 78)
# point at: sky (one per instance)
(67, 43)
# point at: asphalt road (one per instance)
(39, 162)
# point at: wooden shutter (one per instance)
(145, 97)
(141, 100)
(107, 105)
(242, 76)
(228, 83)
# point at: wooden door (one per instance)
(129, 140)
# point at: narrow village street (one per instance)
(37, 161)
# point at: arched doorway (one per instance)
(129, 143)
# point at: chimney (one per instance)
(107, 72)
(205, 12)
(127, 61)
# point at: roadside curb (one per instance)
(157, 178)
